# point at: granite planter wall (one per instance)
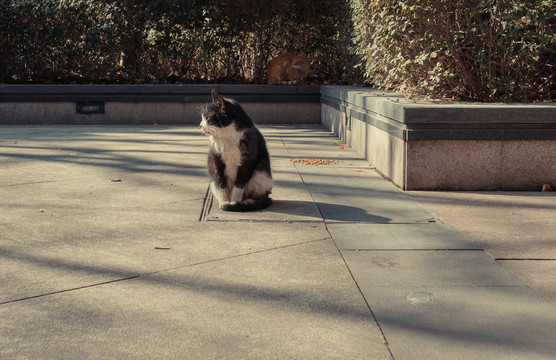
(148, 104)
(446, 146)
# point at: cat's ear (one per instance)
(218, 100)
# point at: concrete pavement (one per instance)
(110, 248)
(518, 229)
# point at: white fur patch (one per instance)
(222, 195)
(225, 139)
(259, 184)
(237, 194)
(226, 142)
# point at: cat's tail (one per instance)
(248, 205)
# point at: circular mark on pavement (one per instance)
(420, 297)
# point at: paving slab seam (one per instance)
(421, 222)
(385, 341)
(408, 250)
(236, 256)
(363, 296)
(39, 182)
(146, 274)
(340, 252)
(68, 290)
(525, 259)
(267, 221)
(443, 287)
(281, 137)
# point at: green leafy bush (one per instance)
(58, 41)
(484, 50)
(161, 41)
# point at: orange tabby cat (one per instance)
(288, 69)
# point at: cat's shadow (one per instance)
(326, 211)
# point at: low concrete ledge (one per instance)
(148, 104)
(446, 146)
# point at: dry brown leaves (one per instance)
(306, 161)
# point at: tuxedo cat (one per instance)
(238, 162)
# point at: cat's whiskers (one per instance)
(208, 131)
(206, 128)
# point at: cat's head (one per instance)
(300, 58)
(215, 115)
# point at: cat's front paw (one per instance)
(226, 204)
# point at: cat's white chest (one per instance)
(232, 157)
(226, 143)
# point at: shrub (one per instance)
(484, 50)
(58, 41)
(160, 41)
